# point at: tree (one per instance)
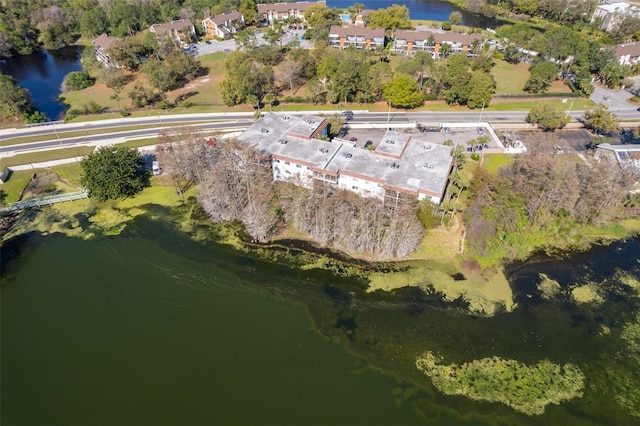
(249, 10)
(542, 74)
(14, 100)
(77, 80)
(455, 18)
(601, 120)
(456, 79)
(482, 86)
(547, 116)
(114, 172)
(403, 92)
(289, 73)
(141, 95)
(391, 18)
(93, 22)
(246, 39)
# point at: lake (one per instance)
(42, 74)
(434, 10)
(151, 327)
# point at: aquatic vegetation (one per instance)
(527, 389)
(587, 293)
(548, 287)
(485, 295)
(626, 381)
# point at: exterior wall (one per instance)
(432, 198)
(362, 187)
(287, 170)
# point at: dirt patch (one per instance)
(43, 184)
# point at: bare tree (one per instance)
(289, 73)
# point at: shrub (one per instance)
(475, 156)
(77, 80)
(446, 25)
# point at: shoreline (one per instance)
(486, 292)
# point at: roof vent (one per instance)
(263, 130)
(390, 142)
(347, 155)
(428, 166)
(426, 147)
(394, 165)
(286, 117)
(282, 141)
(324, 150)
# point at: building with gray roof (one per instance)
(400, 164)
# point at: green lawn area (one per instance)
(13, 187)
(136, 143)
(40, 156)
(494, 162)
(510, 78)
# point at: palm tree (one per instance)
(445, 49)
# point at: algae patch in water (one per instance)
(587, 293)
(485, 295)
(525, 388)
(548, 287)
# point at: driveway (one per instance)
(290, 36)
(614, 99)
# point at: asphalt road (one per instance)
(242, 120)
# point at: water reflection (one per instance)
(42, 74)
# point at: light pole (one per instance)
(481, 112)
(569, 112)
(56, 132)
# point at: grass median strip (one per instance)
(41, 156)
(82, 133)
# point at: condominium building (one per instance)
(358, 37)
(628, 53)
(223, 25)
(101, 46)
(280, 12)
(400, 165)
(180, 31)
(609, 16)
(409, 42)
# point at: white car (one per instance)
(155, 168)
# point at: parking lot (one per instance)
(206, 47)
(466, 137)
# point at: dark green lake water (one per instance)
(150, 327)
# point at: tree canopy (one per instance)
(547, 116)
(114, 172)
(391, 18)
(601, 120)
(403, 92)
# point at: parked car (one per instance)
(208, 41)
(447, 130)
(353, 139)
(227, 50)
(155, 168)
(480, 130)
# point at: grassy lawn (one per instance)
(136, 143)
(37, 157)
(527, 104)
(494, 162)
(510, 78)
(13, 187)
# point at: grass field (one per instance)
(492, 163)
(510, 78)
(40, 156)
(19, 179)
